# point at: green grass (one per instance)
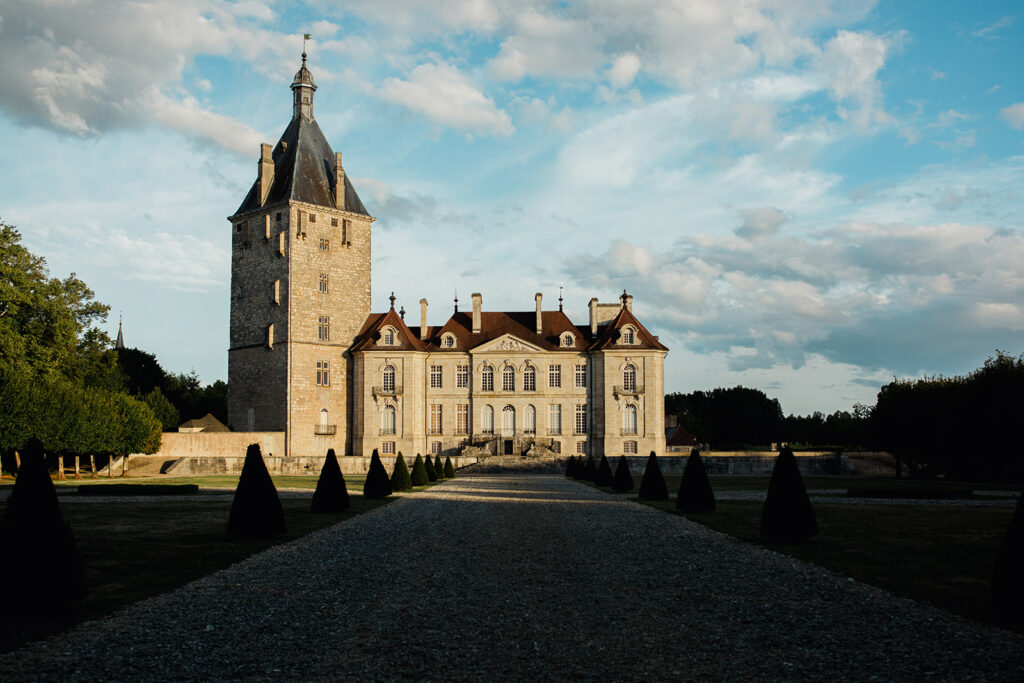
(213, 481)
(134, 550)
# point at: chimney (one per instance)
(339, 183)
(540, 321)
(593, 317)
(629, 303)
(477, 304)
(423, 319)
(266, 172)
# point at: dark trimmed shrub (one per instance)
(429, 465)
(438, 467)
(695, 493)
(377, 484)
(623, 479)
(604, 474)
(1008, 577)
(400, 479)
(570, 464)
(579, 469)
(652, 484)
(449, 469)
(331, 494)
(419, 472)
(256, 509)
(590, 469)
(787, 514)
(41, 564)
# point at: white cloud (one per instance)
(548, 46)
(851, 62)
(760, 222)
(1013, 115)
(991, 30)
(623, 70)
(444, 94)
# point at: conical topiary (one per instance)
(41, 564)
(419, 472)
(623, 479)
(590, 469)
(695, 494)
(652, 484)
(256, 509)
(579, 469)
(787, 513)
(604, 474)
(400, 479)
(377, 484)
(438, 467)
(570, 464)
(429, 465)
(331, 494)
(1008, 577)
(449, 469)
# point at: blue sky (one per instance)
(803, 197)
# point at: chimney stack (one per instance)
(477, 304)
(593, 317)
(629, 303)
(339, 183)
(540, 321)
(266, 172)
(423, 319)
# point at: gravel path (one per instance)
(523, 577)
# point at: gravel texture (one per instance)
(523, 577)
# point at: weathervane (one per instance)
(305, 37)
(559, 297)
(456, 299)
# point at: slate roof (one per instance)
(609, 334)
(371, 332)
(303, 171)
(208, 423)
(677, 436)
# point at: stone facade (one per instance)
(307, 357)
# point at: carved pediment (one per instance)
(506, 343)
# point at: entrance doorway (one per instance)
(506, 446)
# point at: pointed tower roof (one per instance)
(609, 335)
(119, 344)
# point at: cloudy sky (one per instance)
(803, 197)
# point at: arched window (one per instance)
(508, 421)
(628, 337)
(487, 420)
(487, 379)
(629, 378)
(530, 420)
(530, 378)
(508, 379)
(325, 417)
(389, 336)
(387, 420)
(388, 380)
(629, 420)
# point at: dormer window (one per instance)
(567, 340)
(448, 341)
(628, 336)
(388, 336)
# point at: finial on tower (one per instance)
(559, 297)
(456, 299)
(303, 88)
(623, 298)
(392, 297)
(401, 312)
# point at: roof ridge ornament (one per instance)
(624, 297)
(392, 298)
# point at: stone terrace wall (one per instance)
(218, 444)
(192, 466)
(728, 462)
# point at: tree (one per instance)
(623, 480)
(449, 469)
(652, 484)
(1008, 577)
(570, 465)
(163, 410)
(331, 494)
(256, 509)
(604, 474)
(377, 484)
(419, 472)
(695, 493)
(400, 479)
(439, 467)
(42, 564)
(787, 514)
(730, 418)
(429, 465)
(590, 468)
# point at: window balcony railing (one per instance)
(554, 432)
(385, 391)
(620, 390)
(325, 430)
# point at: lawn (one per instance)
(133, 550)
(215, 481)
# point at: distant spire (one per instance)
(392, 297)
(120, 334)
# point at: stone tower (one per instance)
(300, 289)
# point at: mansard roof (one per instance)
(371, 332)
(609, 334)
(303, 171)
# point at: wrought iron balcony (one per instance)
(620, 390)
(325, 430)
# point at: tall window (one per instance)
(323, 328)
(387, 420)
(555, 419)
(323, 283)
(435, 447)
(435, 418)
(388, 379)
(487, 379)
(581, 419)
(530, 420)
(629, 420)
(388, 448)
(487, 420)
(581, 376)
(325, 245)
(629, 378)
(344, 231)
(435, 376)
(529, 379)
(581, 446)
(323, 373)
(508, 379)
(555, 376)
(628, 336)
(461, 418)
(389, 336)
(462, 376)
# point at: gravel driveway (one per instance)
(523, 577)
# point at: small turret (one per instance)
(303, 88)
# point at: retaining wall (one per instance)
(738, 462)
(355, 465)
(218, 444)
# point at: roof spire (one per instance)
(392, 297)
(303, 88)
(559, 297)
(119, 344)
(456, 299)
